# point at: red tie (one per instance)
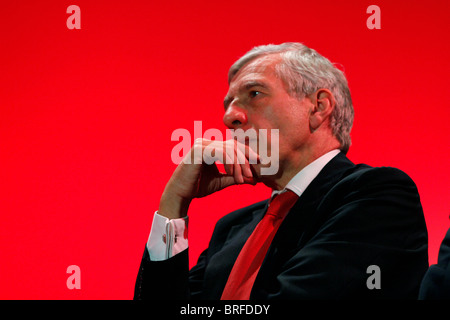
(246, 267)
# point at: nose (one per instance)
(235, 117)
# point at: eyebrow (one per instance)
(253, 83)
(245, 86)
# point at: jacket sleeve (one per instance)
(159, 280)
(169, 279)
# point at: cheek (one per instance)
(294, 133)
(291, 121)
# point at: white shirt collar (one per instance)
(301, 180)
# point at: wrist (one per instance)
(172, 206)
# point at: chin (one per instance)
(269, 180)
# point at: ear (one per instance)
(323, 105)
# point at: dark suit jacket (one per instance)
(349, 218)
(436, 283)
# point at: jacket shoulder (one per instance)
(363, 178)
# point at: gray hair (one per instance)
(304, 71)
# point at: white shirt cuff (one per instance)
(167, 238)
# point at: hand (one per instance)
(198, 176)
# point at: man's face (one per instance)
(258, 99)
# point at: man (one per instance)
(351, 231)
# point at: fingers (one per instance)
(236, 158)
(198, 175)
(241, 167)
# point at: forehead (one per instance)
(259, 69)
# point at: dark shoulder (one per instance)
(364, 188)
(364, 176)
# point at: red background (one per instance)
(86, 118)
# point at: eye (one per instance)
(254, 93)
